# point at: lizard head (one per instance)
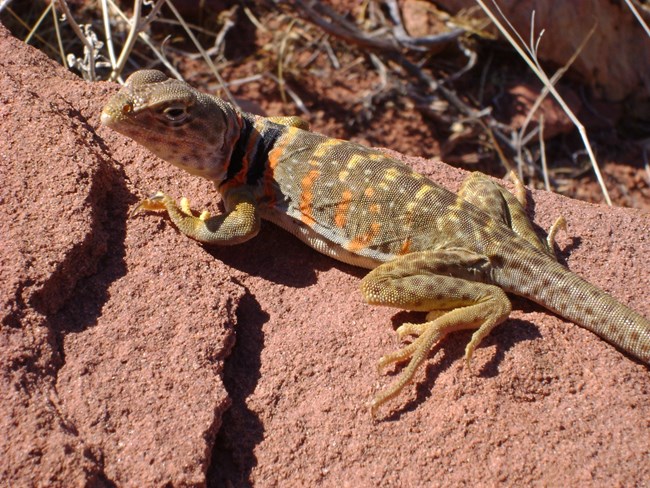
(181, 125)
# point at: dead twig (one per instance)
(88, 38)
(145, 38)
(138, 24)
(638, 17)
(521, 138)
(533, 63)
(424, 43)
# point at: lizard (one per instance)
(453, 256)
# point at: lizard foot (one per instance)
(483, 316)
(159, 202)
(155, 203)
(429, 334)
(424, 281)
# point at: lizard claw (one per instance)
(468, 357)
(154, 203)
(559, 224)
(374, 406)
(406, 329)
(157, 197)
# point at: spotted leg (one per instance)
(496, 201)
(444, 283)
(240, 223)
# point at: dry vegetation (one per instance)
(404, 75)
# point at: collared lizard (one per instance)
(452, 256)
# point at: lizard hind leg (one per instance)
(496, 201)
(416, 282)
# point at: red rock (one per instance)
(108, 372)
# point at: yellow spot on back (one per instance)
(355, 159)
(343, 175)
(323, 148)
(391, 174)
(423, 191)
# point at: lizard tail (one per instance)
(545, 281)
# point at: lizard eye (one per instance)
(175, 113)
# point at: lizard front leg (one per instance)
(240, 223)
(290, 121)
(440, 282)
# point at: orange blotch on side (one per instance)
(341, 214)
(307, 196)
(276, 153)
(363, 240)
(369, 192)
(406, 246)
(269, 187)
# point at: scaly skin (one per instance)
(453, 256)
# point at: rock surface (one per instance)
(108, 373)
(116, 337)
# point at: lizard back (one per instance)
(362, 204)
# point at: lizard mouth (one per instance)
(111, 117)
(107, 119)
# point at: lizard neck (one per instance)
(249, 157)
